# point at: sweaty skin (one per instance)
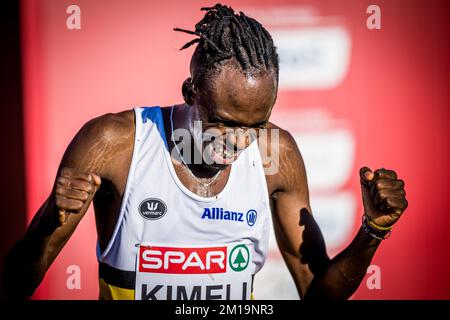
(95, 166)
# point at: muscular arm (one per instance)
(300, 239)
(88, 154)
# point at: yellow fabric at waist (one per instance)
(110, 292)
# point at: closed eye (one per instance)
(260, 125)
(233, 124)
(226, 123)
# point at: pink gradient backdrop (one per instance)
(395, 95)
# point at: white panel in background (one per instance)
(335, 215)
(328, 155)
(312, 57)
(273, 281)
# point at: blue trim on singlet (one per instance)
(154, 114)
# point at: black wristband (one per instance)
(374, 233)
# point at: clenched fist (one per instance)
(383, 196)
(74, 190)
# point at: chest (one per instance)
(120, 168)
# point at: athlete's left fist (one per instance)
(383, 195)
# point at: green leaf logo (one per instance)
(239, 257)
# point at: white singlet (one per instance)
(170, 243)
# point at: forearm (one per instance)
(344, 273)
(28, 260)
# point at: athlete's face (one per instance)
(232, 108)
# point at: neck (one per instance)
(183, 117)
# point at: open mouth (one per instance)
(221, 155)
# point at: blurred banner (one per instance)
(351, 97)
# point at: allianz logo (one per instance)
(221, 214)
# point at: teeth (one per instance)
(223, 152)
(228, 154)
(219, 149)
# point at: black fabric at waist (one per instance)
(116, 277)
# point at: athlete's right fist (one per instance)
(74, 191)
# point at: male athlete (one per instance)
(188, 218)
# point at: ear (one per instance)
(188, 91)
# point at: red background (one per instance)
(395, 94)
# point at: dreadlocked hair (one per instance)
(223, 35)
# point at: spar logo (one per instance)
(239, 257)
(153, 259)
(152, 209)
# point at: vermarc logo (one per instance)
(152, 209)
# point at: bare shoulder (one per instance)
(100, 140)
(286, 140)
(282, 159)
(110, 125)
